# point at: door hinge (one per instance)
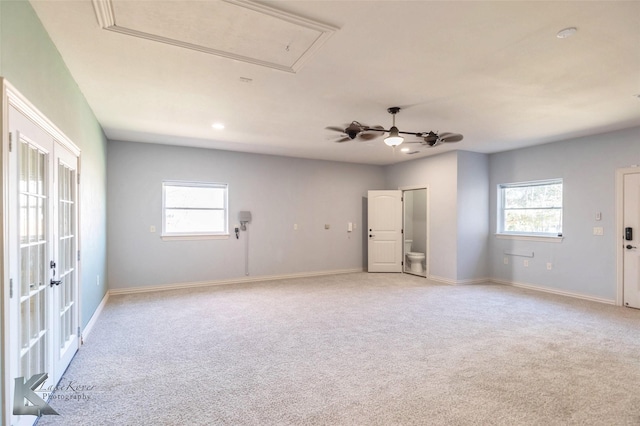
(78, 178)
(401, 263)
(10, 288)
(402, 231)
(79, 332)
(10, 141)
(78, 255)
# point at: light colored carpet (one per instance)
(357, 349)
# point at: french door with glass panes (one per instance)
(43, 254)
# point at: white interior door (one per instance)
(631, 259)
(385, 231)
(43, 308)
(64, 263)
(30, 251)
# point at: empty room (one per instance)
(241, 212)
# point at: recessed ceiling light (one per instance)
(218, 126)
(405, 149)
(566, 32)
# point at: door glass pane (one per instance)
(24, 270)
(24, 365)
(33, 315)
(33, 171)
(43, 354)
(43, 312)
(34, 256)
(43, 270)
(34, 354)
(24, 219)
(41, 173)
(62, 258)
(32, 219)
(40, 226)
(24, 321)
(34, 267)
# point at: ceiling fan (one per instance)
(394, 139)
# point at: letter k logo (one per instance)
(25, 390)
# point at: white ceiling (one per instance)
(492, 71)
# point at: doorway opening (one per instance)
(415, 231)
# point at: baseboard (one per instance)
(554, 291)
(458, 282)
(243, 280)
(94, 318)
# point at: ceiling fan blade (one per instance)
(345, 139)
(450, 137)
(369, 136)
(335, 129)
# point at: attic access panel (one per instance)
(235, 29)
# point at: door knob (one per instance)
(371, 235)
(629, 247)
(52, 283)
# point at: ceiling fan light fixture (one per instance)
(566, 32)
(394, 139)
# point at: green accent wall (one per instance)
(32, 64)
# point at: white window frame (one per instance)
(196, 235)
(501, 233)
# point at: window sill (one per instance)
(194, 237)
(539, 238)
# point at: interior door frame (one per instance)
(620, 174)
(428, 225)
(10, 96)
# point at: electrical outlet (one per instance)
(152, 228)
(506, 260)
(549, 266)
(598, 230)
(295, 226)
(526, 263)
(327, 226)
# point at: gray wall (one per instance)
(582, 263)
(279, 191)
(473, 216)
(32, 64)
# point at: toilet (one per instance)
(414, 259)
